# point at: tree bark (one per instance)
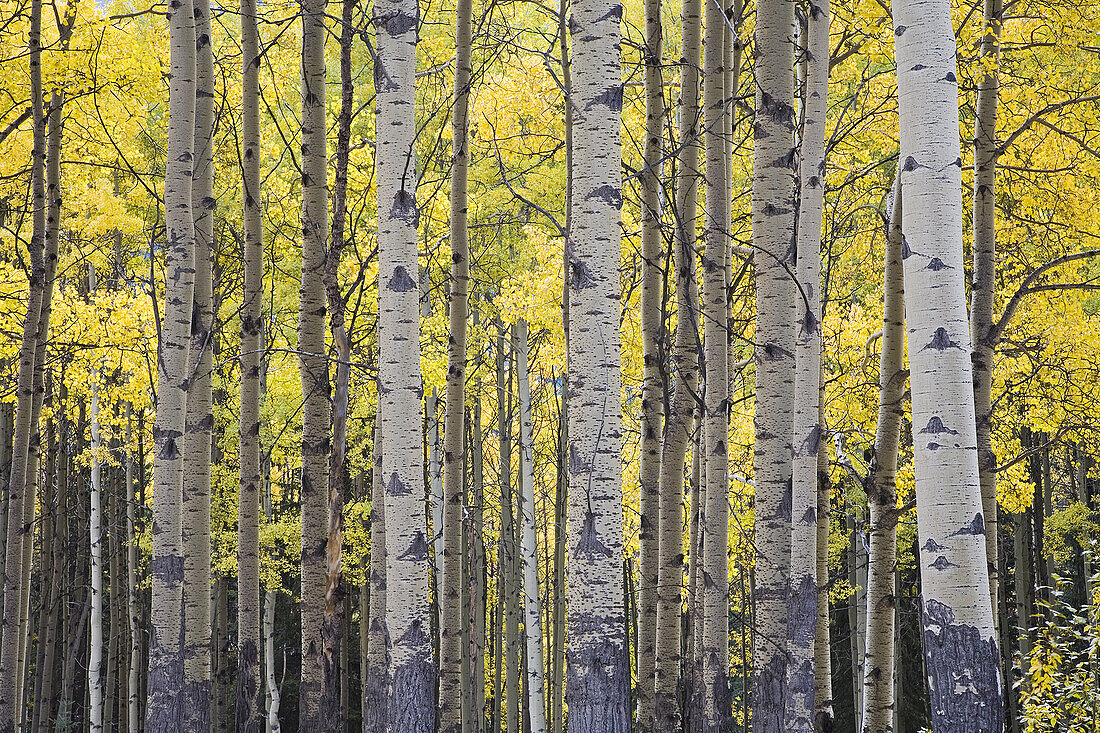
(454, 657)
(773, 225)
(804, 592)
(532, 618)
(96, 535)
(597, 688)
(716, 238)
(199, 414)
(960, 638)
(248, 706)
(21, 477)
(984, 278)
(376, 675)
(668, 685)
(313, 367)
(164, 710)
(652, 408)
(878, 664)
(411, 684)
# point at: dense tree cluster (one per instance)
(519, 367)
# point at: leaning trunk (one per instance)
(878, 664)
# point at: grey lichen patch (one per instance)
(168, 569)
(963, 674)
(802, 612)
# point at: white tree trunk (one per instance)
(684, 382)
(165, 670)
(960, 639)
(804, 592)
(532, 609)
(248, 708)
(878, 662)
(715, 650)
(773, 226)
(95, 536)
(412, 674)
(597, 689)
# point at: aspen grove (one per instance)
(510, 366)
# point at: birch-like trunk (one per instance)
(773, 226)
(823, 668)
(133, 597)
(313, 367)
(412, 681)
(684, 381)
(272, 693)
(960, 639)
(597, 688)
(18, 494)
(508, 582)
(166, 654)
(716, 238)
(333, 627)
(806, 444)
(96, 535)
(878, 662)
(532, 608)
(652, 408)
(374, 683)
(248, 706)
(199, 414)
(984, 278)
(453, 657)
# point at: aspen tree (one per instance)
(803, 599)
(166, 675)
(272, 693)
(532, 616)
(453, 658)
(649, 470)
(684, 383)
(248, 711)
(507, 582)
(597, 688)
(983, 281)
(878, 665)
(199, 416)
(333, 628)
(20, 474)
(133, 598)
(960, 639)
(823, 670)
(773, 220)
(412, 674)
(377, 661)
(313, 367)
(715, 453)
(96, 536)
